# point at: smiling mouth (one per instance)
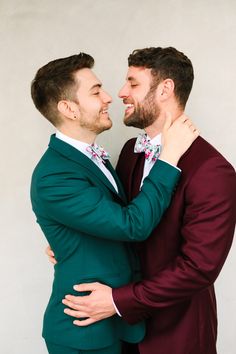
(129, 107)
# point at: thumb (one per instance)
(85, 287)
(168, 121)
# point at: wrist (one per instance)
(170, 157)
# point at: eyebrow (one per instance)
(95, 86)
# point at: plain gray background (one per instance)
(35, 32)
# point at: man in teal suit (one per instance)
(80, 204)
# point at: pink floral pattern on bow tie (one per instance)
(98, 153)
(152, 152)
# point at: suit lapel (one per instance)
(126, 166)
(71, 153)
(118, 182)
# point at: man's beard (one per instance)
(145, 114)
(96, 125)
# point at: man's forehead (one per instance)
(87, 78)
(135, 72)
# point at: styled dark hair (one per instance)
(166, 63)
(55, 81)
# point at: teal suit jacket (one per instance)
(84, 220)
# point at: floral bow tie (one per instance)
(98, 153)
(152, 152)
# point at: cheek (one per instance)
(138, 97)
(92, 103)
(133, 99)
(94, 107)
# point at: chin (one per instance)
(109, 126)
(127, 119)
(104, 128)
(133, 121)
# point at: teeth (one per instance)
(105, 111)
(129, 105)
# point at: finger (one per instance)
(74, 299)
(183, 118)
(84, 323)
(76, 314)
(52, 260)
(194, 133)
(187, 122)
(193, 128)
(86, 287)
(71, 305)
(79, 300)
(49, 251)
(74, 305)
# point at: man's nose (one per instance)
(106, 97)
(123, 92)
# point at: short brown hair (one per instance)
(167, 63)
(55, 81)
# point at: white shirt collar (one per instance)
(79, 145)
(156, 140)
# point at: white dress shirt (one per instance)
(148, 165)
(81, 146)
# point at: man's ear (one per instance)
(165, 89)
(68, 109)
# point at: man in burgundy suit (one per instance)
(182, 259)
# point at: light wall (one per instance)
(35, 32)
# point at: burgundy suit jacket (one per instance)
(184, 255)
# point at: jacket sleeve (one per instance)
(206, 237)
(72, 201)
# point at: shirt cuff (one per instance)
(117, 311)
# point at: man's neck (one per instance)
(157, 127)
(85, 137)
